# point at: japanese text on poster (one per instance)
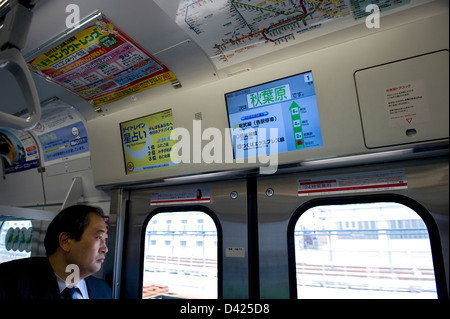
(147, 143)
(101, 64)
(407, 104)
(61, 133)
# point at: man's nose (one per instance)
(104, 248)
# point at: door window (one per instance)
(15, 239)
(180, 256)
(370, 250)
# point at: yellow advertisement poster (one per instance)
(101, 64)
(147, 144)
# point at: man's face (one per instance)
(89, 253)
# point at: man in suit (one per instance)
(75, 245)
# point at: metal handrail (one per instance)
(16, 19)
(13, 61)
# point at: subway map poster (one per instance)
(232, 31)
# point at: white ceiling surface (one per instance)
(146, 23)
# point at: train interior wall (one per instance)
(101, 179)
(340, 114)
(333, 70)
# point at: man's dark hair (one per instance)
(71, 220)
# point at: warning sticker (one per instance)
(406, 104)
(351, 183)
(182, 196)
(235, 252)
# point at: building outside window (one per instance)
(180, 261)
(15, 239)
(374, 250)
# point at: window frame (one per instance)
(433, 232)
(181, 209)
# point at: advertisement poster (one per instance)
(18, 151)
(101, 64)
(147, 143)
(62, 134)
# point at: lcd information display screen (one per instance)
(147, 144)
(274, 117)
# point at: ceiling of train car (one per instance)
(142, 20)
(155, 30)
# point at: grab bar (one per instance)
(13, 61)
(16, 20)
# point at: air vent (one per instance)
(239, 72)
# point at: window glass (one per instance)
(180, 256)
(375, 250)
(15, 239)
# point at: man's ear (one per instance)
(64, 242)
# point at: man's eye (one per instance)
(105, 239)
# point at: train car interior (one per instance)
(250, 149)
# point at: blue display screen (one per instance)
(274, 117)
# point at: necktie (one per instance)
(68, 293)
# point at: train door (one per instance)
(373, 231)
(187, 241)
(368, 231)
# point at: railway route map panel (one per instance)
(232, 31)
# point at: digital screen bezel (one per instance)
(272, 83)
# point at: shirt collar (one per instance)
(81, 285)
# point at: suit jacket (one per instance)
(33, 278)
